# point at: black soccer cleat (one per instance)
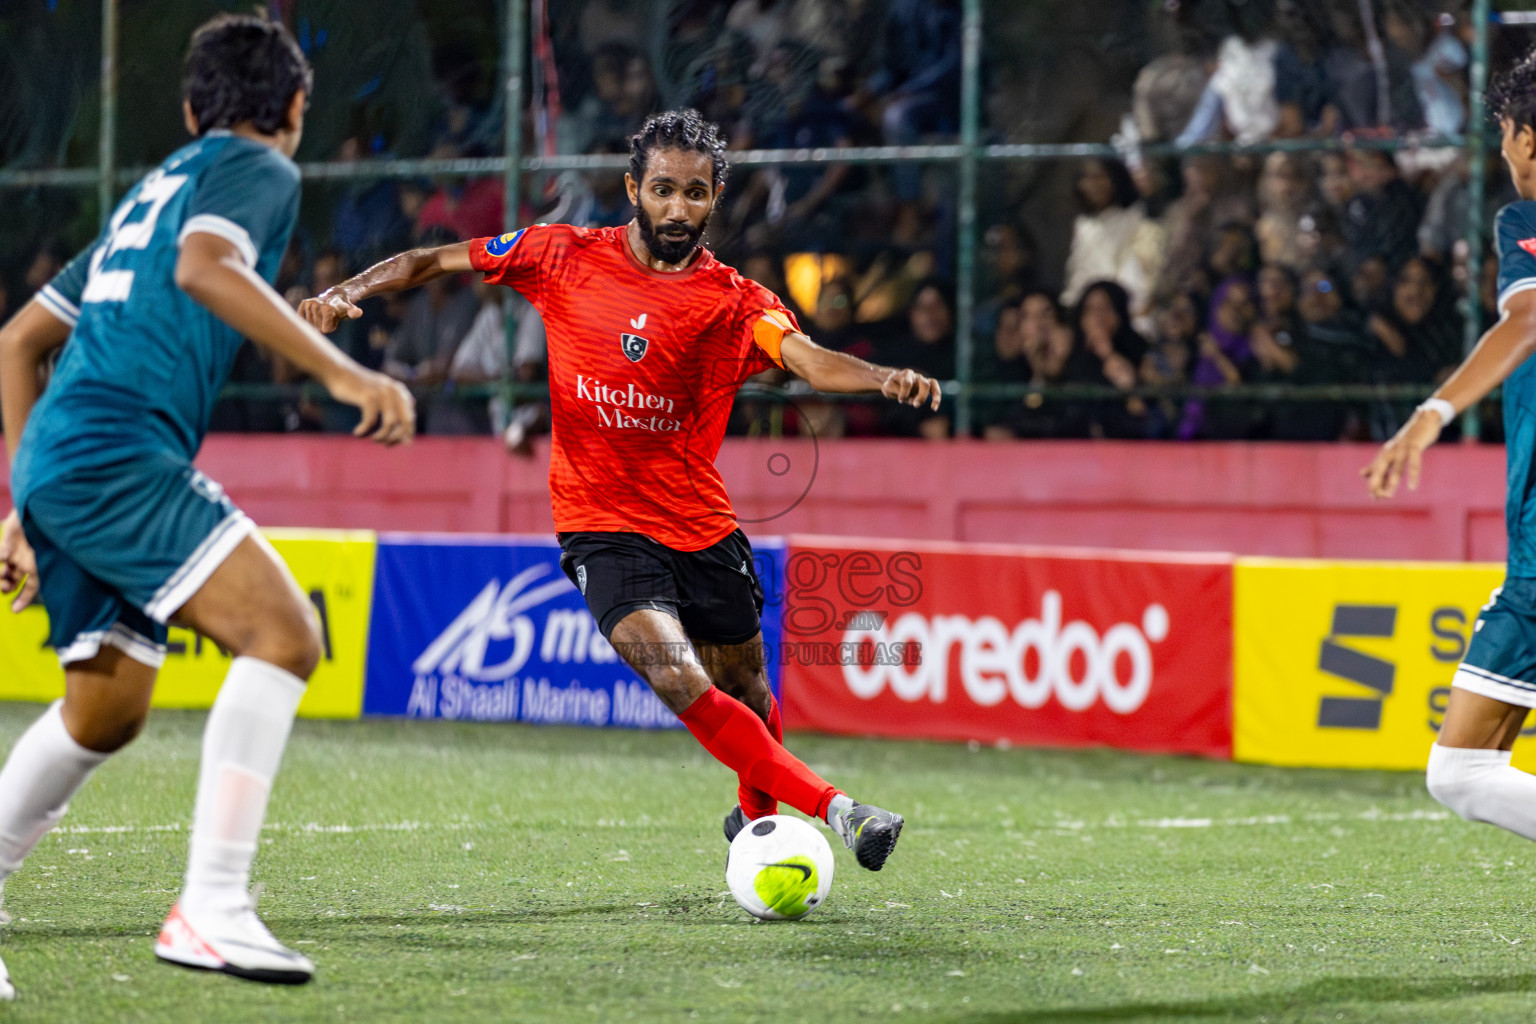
(734, 823)
(870, 833)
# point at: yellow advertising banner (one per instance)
(1349, 664)
(334, 567)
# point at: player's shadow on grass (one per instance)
(1318, 994)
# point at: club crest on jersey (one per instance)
(503, 244)
(634, 346)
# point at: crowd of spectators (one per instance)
(1338, 264)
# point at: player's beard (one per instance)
(665, 249)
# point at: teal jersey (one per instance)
(1515, 231)
(145, 363)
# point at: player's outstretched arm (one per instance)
(1507, 344)
(25, 341)
(212, 271)
(398, 273)
(839, 373)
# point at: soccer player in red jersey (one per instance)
(649, 339)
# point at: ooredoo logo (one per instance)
(1031, 662)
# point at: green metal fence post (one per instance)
(107, 144)
(1477, 120)
(512, 71)
(965, 263)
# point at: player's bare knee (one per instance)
(752, 689)
(291, 641)
(106, 733)
(677, 684)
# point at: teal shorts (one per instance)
(1501, 659)
(120, 548)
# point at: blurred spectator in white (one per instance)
(1112, 238)
(1439, 67)
(1239, 100)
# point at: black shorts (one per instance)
(714, 593)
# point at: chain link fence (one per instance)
(1133, 218)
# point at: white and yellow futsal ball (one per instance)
(779, 868)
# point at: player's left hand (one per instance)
(18, 565)
(911, 388)
(1403, 455)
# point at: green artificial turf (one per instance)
(446, 872)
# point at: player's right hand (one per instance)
(18, 565)
(326, 311)
(389, 411)
(911, 388)
(1403, 455)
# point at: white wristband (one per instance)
(1446, 410)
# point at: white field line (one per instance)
(316, 828)
(1371, 816)
(305, 828)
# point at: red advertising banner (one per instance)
(997, 643)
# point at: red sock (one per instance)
(739, 740)
(754, 802)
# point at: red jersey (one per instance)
(643, 369)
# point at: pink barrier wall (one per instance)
(1292, 500)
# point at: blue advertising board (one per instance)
(490, 629)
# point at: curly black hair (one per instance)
(242, 67)
(685, 130)
(1513, 93)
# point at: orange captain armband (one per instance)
(768, 332)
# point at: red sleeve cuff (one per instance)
(477, 258)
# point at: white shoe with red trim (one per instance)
(232, 942)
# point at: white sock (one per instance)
(838, 805)
(1480, 785)
(242, 746)
(42, 773)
